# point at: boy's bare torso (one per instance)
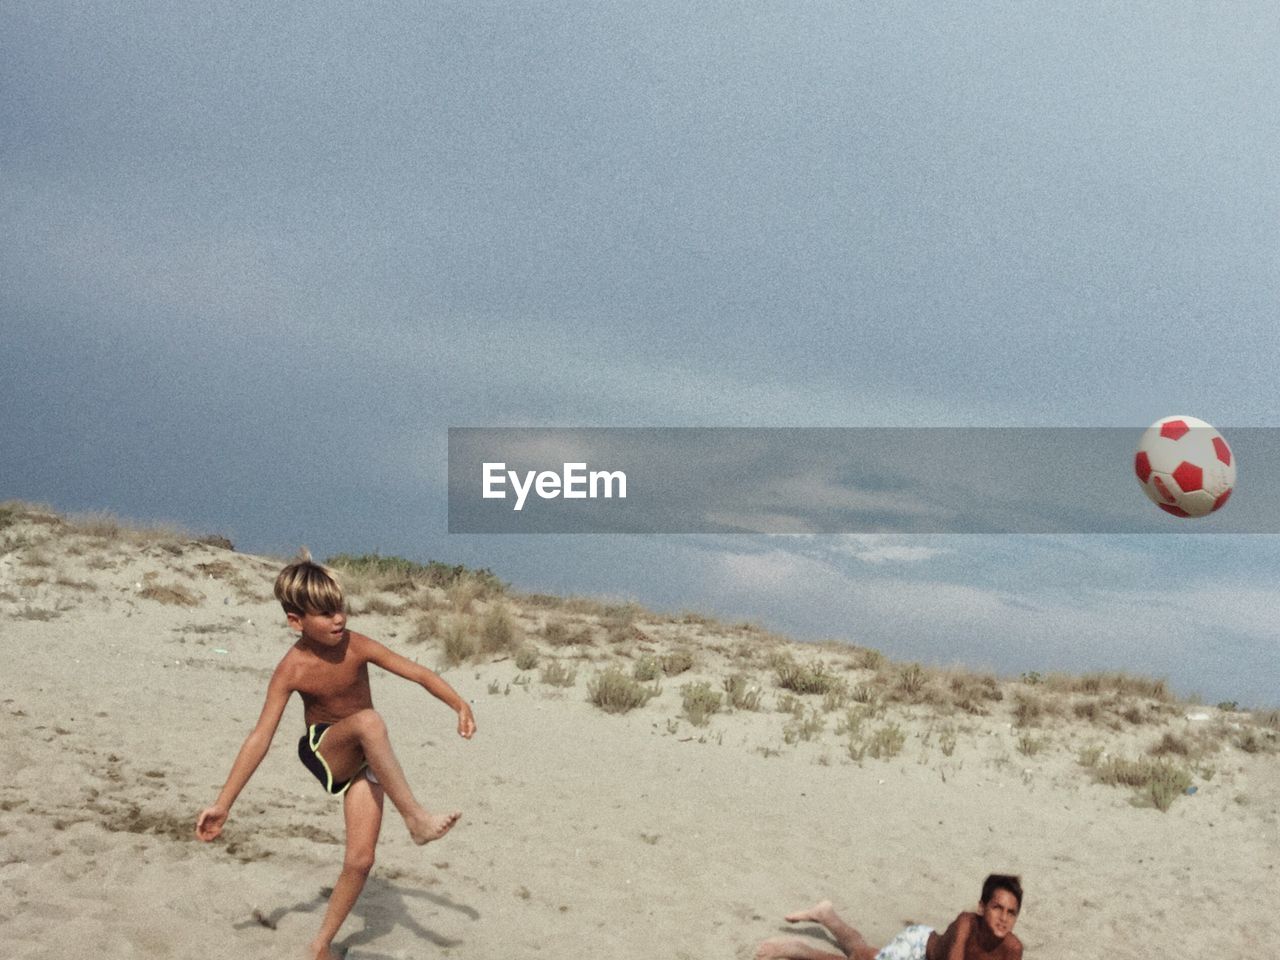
(332, 681)
(939, 948)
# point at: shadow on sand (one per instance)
(382, 907)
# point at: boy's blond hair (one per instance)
(305, 586)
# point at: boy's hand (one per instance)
(209, 823)
(466, 722)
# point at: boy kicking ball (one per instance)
(345, 745)
(985, 935)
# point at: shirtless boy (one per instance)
(985, 935)
(345, 745)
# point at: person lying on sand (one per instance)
(985, 935)
(345, 745)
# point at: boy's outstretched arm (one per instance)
(433, 683)
(210, 821)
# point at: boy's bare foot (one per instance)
(432, 826)
(818, 913)
(321, 953)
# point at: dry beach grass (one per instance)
(641, 785)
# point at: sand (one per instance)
(636, 835)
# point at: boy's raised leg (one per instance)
(847, 938)
(362, 737)
(362, 810)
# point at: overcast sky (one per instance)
(255, 262)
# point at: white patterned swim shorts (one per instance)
(910, 944)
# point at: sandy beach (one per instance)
(135, 664)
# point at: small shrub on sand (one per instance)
(742, 693)
(614, 692)
(851, 723)
(912, 680)
(556, 674)
(887, 742)
(1169, 783)
(219, 570)
(864, 658)
(557, 633)
(498, 631)
(377, 606)
(677, 662)
(811, 678)
(694, 619)
(1028, 709)
(1029, 746)
(646, 669)
(463, 593)
(1090, 710)
(582, 635)
(1089, 756)
(171, 593)
(619, 620)
(836, 698)
(947, 740)
(1118, 683)
(1173, 744)
(972, 692)
(543, 600)
(526, 658)
(36, 613)
(805, 727)
(1253, 740)
(862, 693)
(425, 629)
(1158, 782)
(458, 643)
(1135, 713)
(1149, 687)
(73, 584)
(699, 702)
(372, 572)
(621, 614)
(619, 635)
(107, 527)
(1268, 719)
(790, 703)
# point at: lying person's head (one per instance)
(1001, 903)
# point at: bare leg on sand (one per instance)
(849, 940)
(362, 810)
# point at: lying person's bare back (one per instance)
(985, 936)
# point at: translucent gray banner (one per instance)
(857, 480)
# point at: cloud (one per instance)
(1206, 635)
(881, 549)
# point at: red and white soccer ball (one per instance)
(1185, 466)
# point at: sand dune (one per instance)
(134, 664)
